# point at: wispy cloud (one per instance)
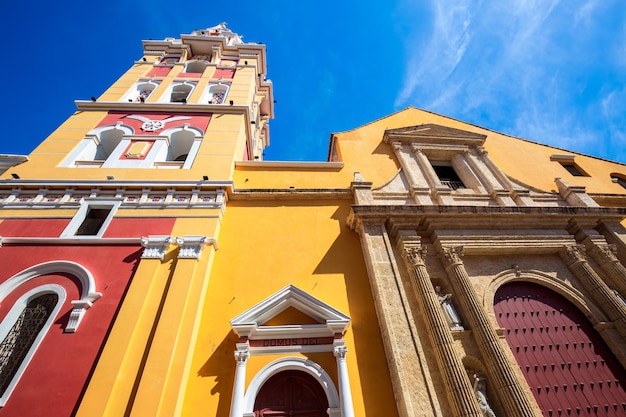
(532, 68)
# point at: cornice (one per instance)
(478, 217)
(292, 194)
(290, 164)
(12, 183)
(90, 105)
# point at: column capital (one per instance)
(414, 254)
(340, 349)
(242, 354)
(608, 252)
(155, 246)
(573, 254)
(396, 146)
(452, 255)
(417, 149)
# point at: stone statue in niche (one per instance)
(480, 389)
(454, 321)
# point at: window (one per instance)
(22, 330)
(447, 175)
(180, 92)
(215, 93)
(20, 338)
(91, 219)
(619, 179)
(140, 91)
(567, 162)
(109, 139)
(197, 66)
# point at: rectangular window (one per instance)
(567, 162)
(573, 169)
(93, 221)
(447, 175)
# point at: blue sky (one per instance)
(551, 71)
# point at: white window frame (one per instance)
(90, 144)
(137, 88)
(208, 94)
(11, 318)
(81, 214)
(167, 96)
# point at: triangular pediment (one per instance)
(433, 133)
(267, 318)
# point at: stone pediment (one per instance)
(322, 320)
(433, 133)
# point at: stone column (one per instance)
(605, 256)
(574, 257)
(457, 385)
(514, 400)
(237, 402)
(345, 394)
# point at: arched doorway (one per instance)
(291, 393)
(567, 365)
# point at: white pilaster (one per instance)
(237, 402)
(345, 394)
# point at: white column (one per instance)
(345, 394)
(241, 356)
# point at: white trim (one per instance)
(12, 317)
(297, 364)
(79, 217)
(249, 323)
(289, 164)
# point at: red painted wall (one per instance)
(54, 379)
(119, 227)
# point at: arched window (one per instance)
(140, 91)
(196, 66)
(109, 139)
(566, 363)
(215, 93)
(22, 330)
(97, 146)
(179, 92)
(180, 145)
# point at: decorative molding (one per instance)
(415, 254)
(88, 286)
(191, 246)
(340, 350)
(155, 246)
(250, 323)
(574, 254)
(242, 354)
(452, 256)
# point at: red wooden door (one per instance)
(568, 367)
(291, 393)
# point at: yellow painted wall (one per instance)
(265, 246)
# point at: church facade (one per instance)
(156, 265)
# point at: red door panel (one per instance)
(291, 393)
(567, 366)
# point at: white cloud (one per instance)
(522, 67)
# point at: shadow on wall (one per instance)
(221, 366)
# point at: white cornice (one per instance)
(172, 107)
(290, 164)
(116, 183)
